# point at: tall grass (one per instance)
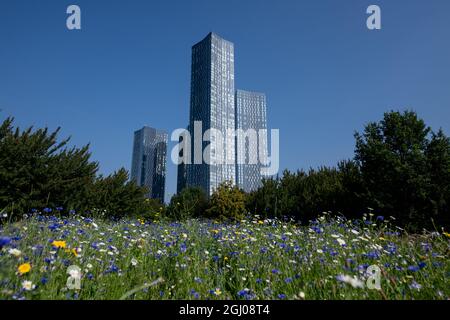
(205, 259)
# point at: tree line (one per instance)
(401, 168)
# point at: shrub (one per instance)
(37, 171)
(227, 202)
(189, 203)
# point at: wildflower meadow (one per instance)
(47, 256)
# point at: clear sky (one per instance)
(324, 73)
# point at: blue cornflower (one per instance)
(44, 280)
(380, 218)
(59, 208)
(413, 268)
(53, 226)
(288, 280)
(198, 280)
(47, 210)
(281, 296)
(4, 241)
(275, 271)
(195, 294)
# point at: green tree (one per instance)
(37, 171)
(227, 202)
(117, 196)
(190, 202)
(402, 168)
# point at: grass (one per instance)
(204, 259)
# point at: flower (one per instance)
(445, 234)
(288, 280)
(275, 271)
(340, 241)
(24, 268)
(353, 281)
(59, 244)
(4, 241)
(134, 262)
(28, 285)
(415, 285)
(14, 252)
(302, 295)
(217, 292)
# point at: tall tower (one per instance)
(148, 166)
(251, 118)
(212, 105)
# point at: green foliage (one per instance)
(227, 202)
(406, 173)
(117, 197)
(189, 203)
(304, 195)
(37, 171)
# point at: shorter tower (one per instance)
(148, 166)
(251, 142)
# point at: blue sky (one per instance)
(324, 73)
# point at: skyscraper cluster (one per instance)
(215, 106)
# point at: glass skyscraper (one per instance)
(250, 119)
(212, 104)
(215, 104)
(148, 166)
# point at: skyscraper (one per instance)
(149, 161)
(212, 105)
(181, 169)
(250, 119)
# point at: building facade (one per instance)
(148, 166)
(212, 106)
(251, 138)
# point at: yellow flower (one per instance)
(59, 244)
(74, 251)
(215, 231)
(261, 222)
(225, 258)
(381, 238)
(24, 268)
(217, 292)
(447, 234)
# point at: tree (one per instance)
(37, 171)
(190, 202)
(227, 202)
(117, 196)
(403, 169)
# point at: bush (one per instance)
(227, 202)
(118, 197)
(191, 202)
(37, 171)
(305, 195)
